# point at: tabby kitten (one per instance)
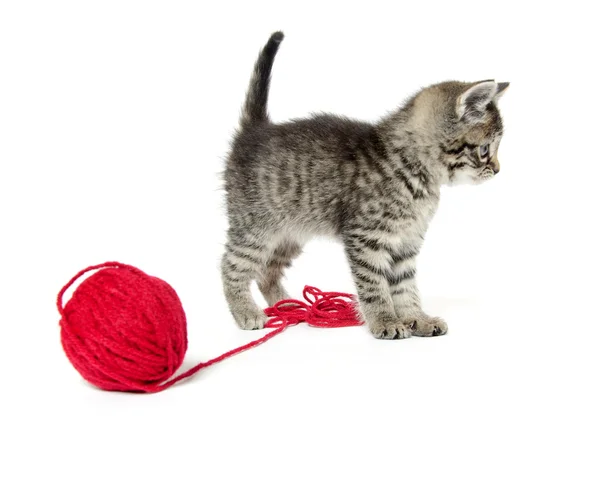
(373, 186)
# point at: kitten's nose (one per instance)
(495, 164)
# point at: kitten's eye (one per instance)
(484, 150)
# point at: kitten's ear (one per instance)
(471, 105)
(502, 86)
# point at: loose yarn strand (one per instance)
(218, 359)
(63, 290)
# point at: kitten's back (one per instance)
(299, 169)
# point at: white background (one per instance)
(115, 118)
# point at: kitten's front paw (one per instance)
(389, 329)
(426, 326)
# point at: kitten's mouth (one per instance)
(485, 176)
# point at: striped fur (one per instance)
(375, 187)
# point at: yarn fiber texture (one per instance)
(124, 330)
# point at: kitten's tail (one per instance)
(255, 108)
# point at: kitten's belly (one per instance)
(300, 216)
(302, 226)
(305, 229)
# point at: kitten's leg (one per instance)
(406, 298)
(241, 264)
(269, 282)
(370, 267)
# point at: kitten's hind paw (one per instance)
(427, 327)
(250, 320)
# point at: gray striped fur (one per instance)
(374, 186)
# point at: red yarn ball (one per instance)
(123, 329)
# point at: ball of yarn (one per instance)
(123, 329)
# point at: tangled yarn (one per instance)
(321, 309)
(125, 330)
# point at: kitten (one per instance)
(373, 186)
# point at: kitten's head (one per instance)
(470, 129)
